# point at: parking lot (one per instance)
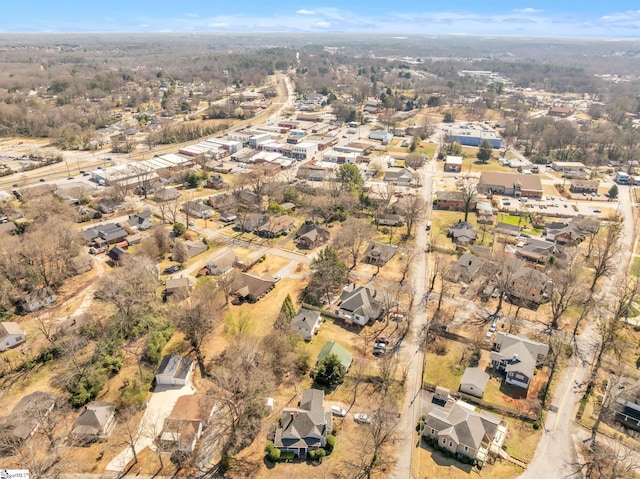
(558, 206)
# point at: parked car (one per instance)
(597, 211)
(172, 269)
(338, 411)
(384, 341)
(379, 349)
(361, 418)
(277, 278)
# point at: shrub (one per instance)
(84, 387)
(331, 443)
(317, 455)
(440, 347)
(272, 452)
(179, 229)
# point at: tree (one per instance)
(329, 273)
(179, 229)
(180, 252)
(350, 175)
(196, 318)
(415, 161)
(353, 237)
(131, 289)
(484, 151)
(469, 189)
(330, 372)
(449, 117)
(413, 208)
(604, 250)
(613, 191)
(286, 315)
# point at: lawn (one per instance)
(522, 439)
(446, 370)
(635, 267)
(428, 463)
(441, 220)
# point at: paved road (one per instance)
(410, 349)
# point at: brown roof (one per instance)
(193, 408)
(249, 285)
(508, 180)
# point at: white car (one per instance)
(338, 411)
(361, 418)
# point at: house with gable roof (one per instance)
(517, 356)
(306, 323)
(379, 253)
(174, 370)
(95, 422)
(465, 432)
(361, 304)
(305, 428)
(11, 335)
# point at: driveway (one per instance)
(159, 407)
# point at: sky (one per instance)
(585, 18)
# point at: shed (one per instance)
(474, 381)
(174, 370)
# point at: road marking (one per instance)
(564, 398)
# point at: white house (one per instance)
(304, 150)
(11, 335)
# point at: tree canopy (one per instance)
(330, 372)
(485, 151)
(350, 174)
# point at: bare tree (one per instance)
(506, 269)
(565, 291)
(226, 283)
(469, 189)
(604, 250)
(180, 252)
(413, 209)
(353, 237)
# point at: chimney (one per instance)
(515, 356)
(470, 262)
(292, 416)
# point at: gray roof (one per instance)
(175, 366)
(304, 426)
(305, 321)
(363, 300)
(25, 417)
(469, 263)
(475, 377)
(93, 419)
(463, 423)
(380, 251)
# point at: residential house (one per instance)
(117, 255)
(177, 288)
(251, 288)
(216, 182)
(462, 233)
(563, 233)
(140, 221)
(510, 184)
(26, 417)
(305, 428)
(174, 370)
(560, 111)
(196, 247)
(517, 356)
(453, 201)
(627, 408)
(538, 251)
(249, 223)
(95, 422)
(379, 253)
(197, 209)
(528, 287)
(276, 226)
(584, 186)
(184, 426)
(39, 299)
(310, 236)
(399, 176)
(474, 382)
(361, 304)
(467, 268)
(486, 213)
(166, 194)
(332, 347)
(11, 335)
(567, 166)
(390, 219)
(81, 264)
(110, 233)
(222, 264)
(586, 224)
(465, 432)
(508, 229)
(109, 205)
(306, 323)
(453, 164)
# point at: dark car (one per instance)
(172, 269)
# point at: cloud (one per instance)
(517, 20)
(218, 25)
(323, 24)
(303, 11)
(527, 10)
(191, 15)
